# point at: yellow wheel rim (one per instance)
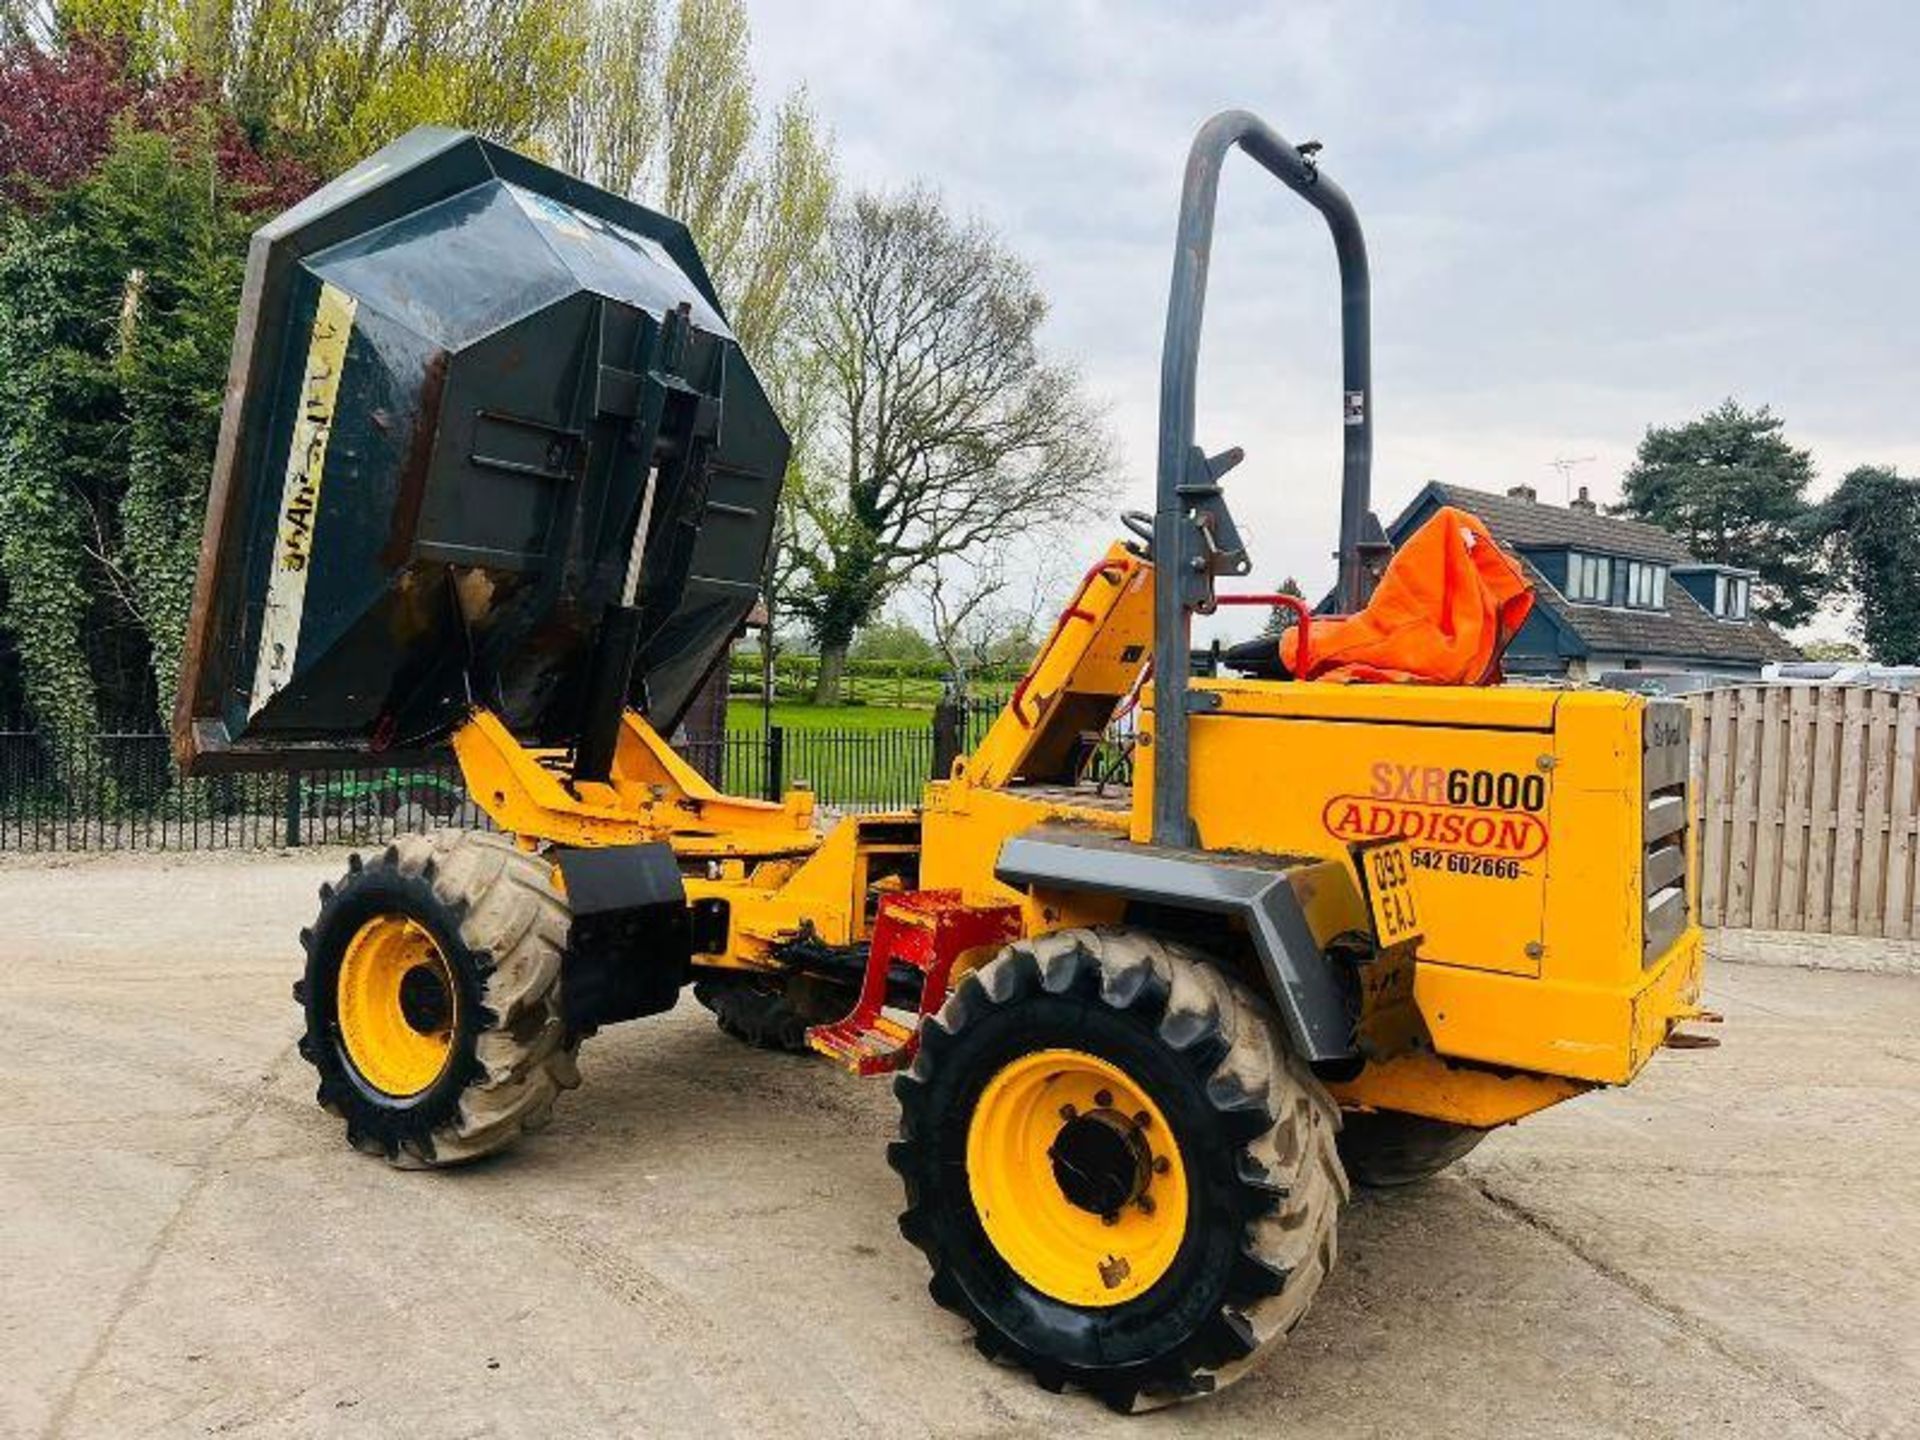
(398, 1006)
(1076, 1178)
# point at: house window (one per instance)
(1590, 578)
(1731, 596)
(1646, 585)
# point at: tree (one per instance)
(668, 115)
(896, 640)
(707, 101)
(331, 80)
(57, 450)
(776, 255)
(179, 230)
(58, 418)
(1279, 618)
(1872, 528)
(944, 429)
(1839, 651)
(1732, 489)
(990, 611)
(608, 131)
(336, 79)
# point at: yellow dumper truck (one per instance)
(494, 473)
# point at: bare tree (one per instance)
(943, 431)
(990, 612)
(960, 600)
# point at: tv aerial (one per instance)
(1566, 464)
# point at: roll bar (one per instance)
(1193, 536)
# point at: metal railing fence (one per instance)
(119, 791)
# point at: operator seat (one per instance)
(1449, 604)
(1257, 659)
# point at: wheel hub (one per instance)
(396, 1005)
(1076, 1177)
(1101, 1162)
(425, 1001)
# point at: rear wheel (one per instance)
(1117, 1170)
(1383, 1148)
(432, 998)
(773, 1012)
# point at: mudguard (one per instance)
(1261, 891)
(631, 942)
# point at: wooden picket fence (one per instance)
(1808, 808)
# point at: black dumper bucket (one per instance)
(474, 405)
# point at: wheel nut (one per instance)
(1112, 1217)
(1145, 1202)
(1142, 1120)
(1161, 1165)
(1067, 1112)
(1103, 1099)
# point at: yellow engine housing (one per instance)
(1528, 812)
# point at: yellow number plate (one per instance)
(1388, 872)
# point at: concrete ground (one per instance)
(703, 1242)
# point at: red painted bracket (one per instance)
(929, 930)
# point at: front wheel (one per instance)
(432, 998)
(1119, 1173)
(1383, 1149)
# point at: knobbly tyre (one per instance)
(494, 473)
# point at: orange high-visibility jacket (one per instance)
(1442, 615)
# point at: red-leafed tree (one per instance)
(59, 111)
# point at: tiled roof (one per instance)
(1520, 523)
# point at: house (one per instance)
(1611, 594)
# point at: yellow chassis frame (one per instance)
(651, 794)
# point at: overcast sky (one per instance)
(1581, 219)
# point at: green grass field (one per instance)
(852, 755)
(878, 691)
(744, 712)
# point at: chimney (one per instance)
(1583, 504)
(1522, 492)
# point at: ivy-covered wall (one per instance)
(123, 228)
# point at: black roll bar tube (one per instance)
(1174, 538)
